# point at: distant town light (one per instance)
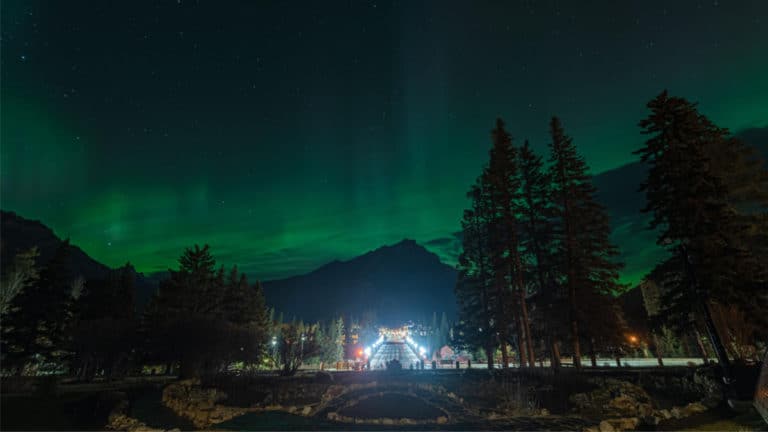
(367, 351)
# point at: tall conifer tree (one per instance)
(585, 257)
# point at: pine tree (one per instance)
(39, 316)
(444, 331)
(502, 175)
(536, 216)
(476, 327)
(585, 259)
(104, 324)
(708, 194)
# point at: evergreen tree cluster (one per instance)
(537, 267)
(538, 272)
(203, 319)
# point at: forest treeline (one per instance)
(538, 273)
(538, 276)
(203, 319)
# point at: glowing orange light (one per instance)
(633, 338)
(359, 352)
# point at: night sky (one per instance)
(287, 135)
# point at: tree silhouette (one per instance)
(585, 259)
(708, 194)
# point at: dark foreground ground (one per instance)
(87, 408)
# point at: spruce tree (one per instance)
(476, 327)
(104, 324)
(503, 177)
(708, 195)
(585, 259)
(35, 330)
(536, 218)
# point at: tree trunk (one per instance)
(521, 348)
(527, 329)
(555, 354)
(489, 356)
(592, 353)
(703, 309)
(618, 360)
(700, 344)
(657, 350)
(576, 345)
(717, 344)
(504, 355)
(528, 341)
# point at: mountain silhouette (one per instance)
(398, 283)
(18, 234)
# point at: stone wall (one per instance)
(119, 420)
(611, 400)
(188, 399)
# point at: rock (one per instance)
(693, 408)
(387, 421)
(606, 427)
(442, 420)
(307, 409)
(644, 410)
(624, 424)
(676, 412)
(665, 414)
(591, 429)
(332, 416)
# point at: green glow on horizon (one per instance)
(282, 169)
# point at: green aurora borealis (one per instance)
(288, 135)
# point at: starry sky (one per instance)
(289, 134)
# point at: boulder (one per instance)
(676, 412)
(624, 424)
(694, 408)
(605, 426)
